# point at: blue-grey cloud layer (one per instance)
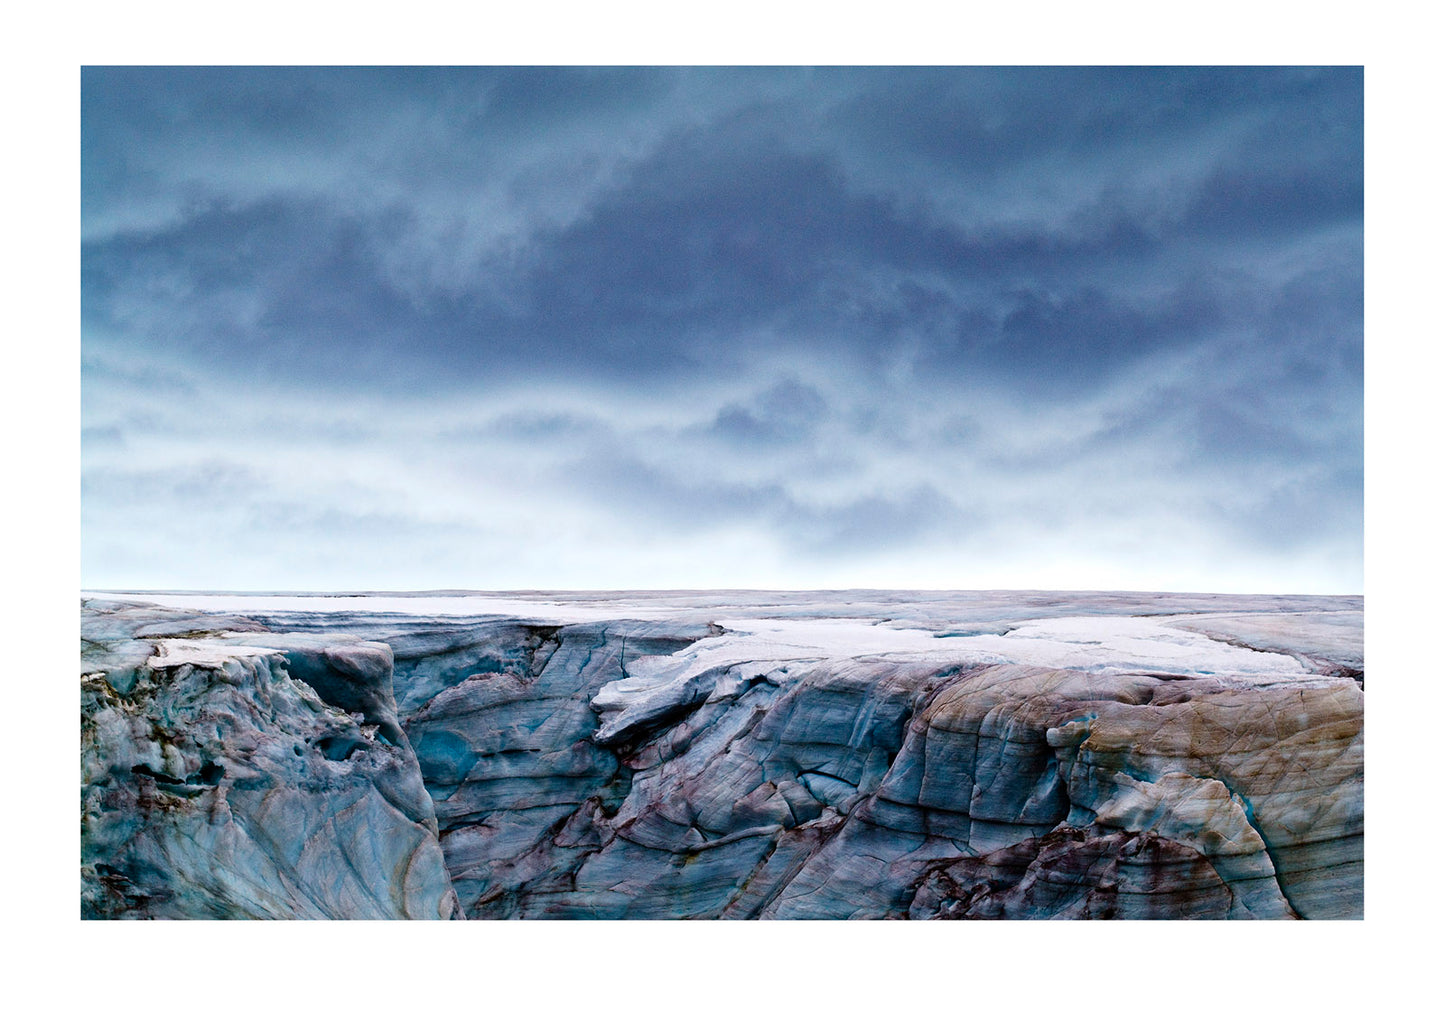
(744, 326)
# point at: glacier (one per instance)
(721, 754)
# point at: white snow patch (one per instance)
(1111, 643)
(1129, 644)
(179, 651)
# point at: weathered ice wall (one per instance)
(216, 782)
(724, 755)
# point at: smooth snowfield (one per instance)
(412, 606)
(1111, 639)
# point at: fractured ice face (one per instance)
(730, 754)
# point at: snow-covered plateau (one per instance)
(721, 754)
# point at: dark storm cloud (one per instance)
(845, 308)
(744, 218)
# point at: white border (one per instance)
(1198, 970)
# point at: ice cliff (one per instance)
(722, 755)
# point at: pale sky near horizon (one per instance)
(784, 328)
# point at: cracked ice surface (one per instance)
(723, 754)
(1109, 644)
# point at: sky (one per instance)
(533, 328)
